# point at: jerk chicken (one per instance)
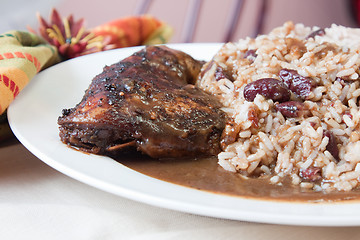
(146, 102)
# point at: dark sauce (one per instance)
(206, 175)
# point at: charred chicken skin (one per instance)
(147, 102)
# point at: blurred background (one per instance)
(192, 20)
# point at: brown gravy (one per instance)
(205, 174)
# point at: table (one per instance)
(37, 202)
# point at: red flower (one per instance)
(70, 36)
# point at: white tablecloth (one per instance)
(37, 202)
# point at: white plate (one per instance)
(33, 119)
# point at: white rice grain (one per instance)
(279, 145)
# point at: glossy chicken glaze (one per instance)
(146, 101)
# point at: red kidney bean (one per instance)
(311, 174)
(298, 84)
(332, 145)
(290, 109)
(221, 73)
(250, 55)
(270, 88)
(320, 32)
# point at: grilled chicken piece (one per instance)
(148, 102)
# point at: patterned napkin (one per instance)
(22, 55)
(72, 39)
(134, 31)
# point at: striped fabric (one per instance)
(134, 31)
(22, 55)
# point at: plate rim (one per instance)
(322, 219)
